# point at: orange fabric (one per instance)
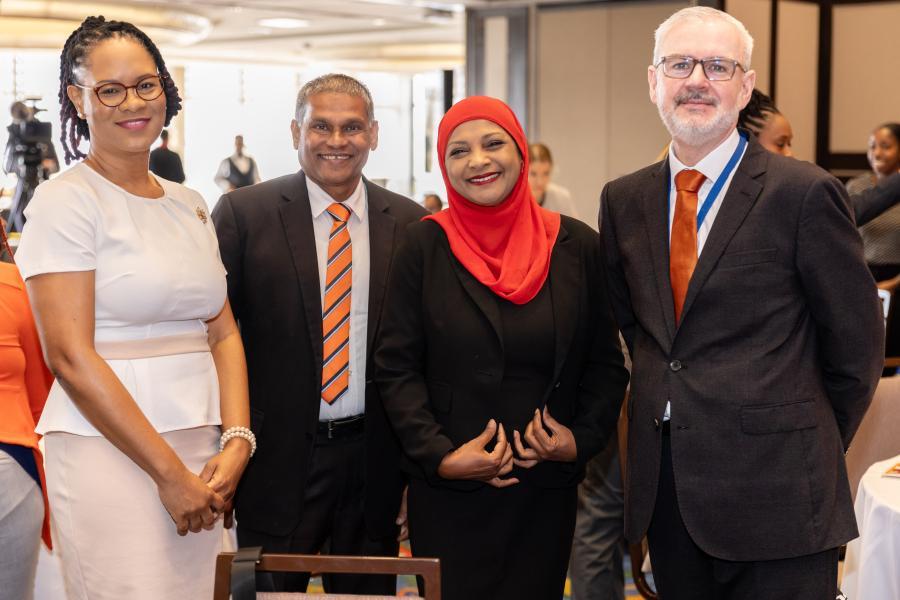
(683, 244)
(24, 379)
(336, 307)
(506, 247)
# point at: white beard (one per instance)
(688, 131)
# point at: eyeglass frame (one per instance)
(96, 89)
(702, 62)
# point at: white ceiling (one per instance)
(352, 34)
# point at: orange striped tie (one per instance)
(683, 244)
(336, 313)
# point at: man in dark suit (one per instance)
(165, 162)
(308, 257)
(738, 281)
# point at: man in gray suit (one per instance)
(738, 281)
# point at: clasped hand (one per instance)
(473, 461)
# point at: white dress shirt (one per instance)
(353, 402)
(711, 166)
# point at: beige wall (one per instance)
(797, 75)
(592, 106)
(865, 79)
(756, 16)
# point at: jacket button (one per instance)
(557, 384)
(675, 365)
(656, 424)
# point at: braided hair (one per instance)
(754, 115)
(92, 31)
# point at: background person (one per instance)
(773, 131)
(548, 194)
(165, 162)
(881, 237)
(309, 300)
(756, 339)
(238, 170)
(433, 203)
(499, 366)
(24, 383)
(129, 297)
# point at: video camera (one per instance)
(30, 140)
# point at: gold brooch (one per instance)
(201, 214)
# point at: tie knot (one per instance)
(339, 212)
(689, 180)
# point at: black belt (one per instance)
(340, 428)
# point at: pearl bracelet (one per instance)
(238, 432)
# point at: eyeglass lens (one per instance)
(716, 69)
(113, 94)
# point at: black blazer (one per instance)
(268, 247)
(440, 358)
(870, 203)
(773, 365)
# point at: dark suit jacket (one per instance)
(870, 203)
(771, 370)
(268, 247)
(441, 357)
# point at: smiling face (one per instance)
(482, 162)
(333, 141)
(884, 152)
(776, 135)
(698, 112)
(134, 125)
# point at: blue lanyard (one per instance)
(720, 182)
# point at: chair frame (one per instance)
(427, 568)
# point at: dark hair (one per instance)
(754, 115)
(894, 128)
(92, 31)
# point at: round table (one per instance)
(872, 563)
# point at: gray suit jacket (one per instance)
(773, 365)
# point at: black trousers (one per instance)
(332, 523)
(682, 571)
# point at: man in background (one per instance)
(165, 162)
(238, 170)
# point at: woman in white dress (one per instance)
(129, 296)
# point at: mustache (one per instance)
(690, 96)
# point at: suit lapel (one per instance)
(296, 218)
(565, 283)
(382, 229)
(655, 206)
(741, 195)
(481, 295)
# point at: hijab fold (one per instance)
(506, 247)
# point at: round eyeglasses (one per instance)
(114, 93)
(715, 68)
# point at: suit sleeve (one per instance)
(400, 364)
(618, 292)
(603, 383)
(843, 303)
(870, 203)
(230, 249)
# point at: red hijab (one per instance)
(506, 247)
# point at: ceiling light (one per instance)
(283, 23)
(379, 22)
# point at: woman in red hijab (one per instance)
(498, 365)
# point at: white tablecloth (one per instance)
(872, 564)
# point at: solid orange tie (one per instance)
(336, 307)
(683, 248)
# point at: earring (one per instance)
(81, 116)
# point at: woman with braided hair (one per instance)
(129, 296)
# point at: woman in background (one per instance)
(548, 194)
(24, 383)
(499, 366)
(881, 236)
(129, 296)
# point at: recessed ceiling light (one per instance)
(379, 22)
(283, 23)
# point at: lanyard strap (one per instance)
(718, 185)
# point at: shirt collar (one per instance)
(713, 163)
(319, 200)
